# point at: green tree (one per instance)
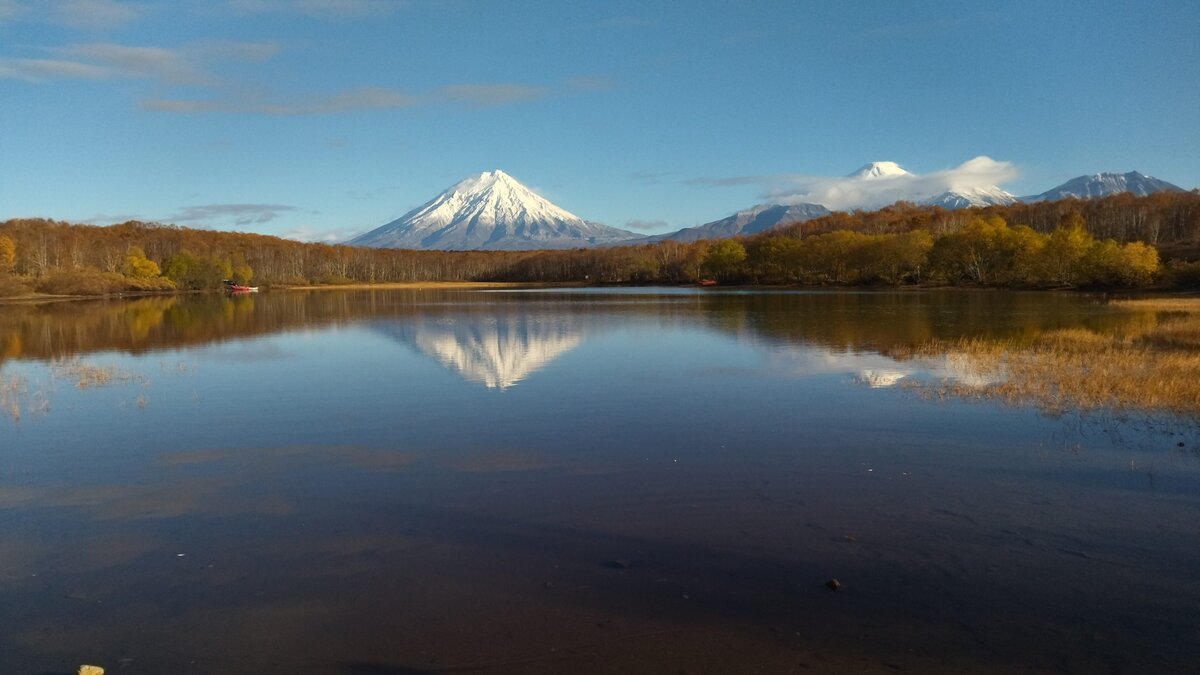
(724, 258)
(901, 257)
(774, 258)
(196, 272)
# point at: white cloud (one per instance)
(854, 192)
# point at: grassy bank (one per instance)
(1151, 365)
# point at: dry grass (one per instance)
(11, 390)
(1160, 304)
(87, 375)
(1152, 369)
(16, 400)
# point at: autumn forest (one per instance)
(1120, 241)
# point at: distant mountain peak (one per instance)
(875, 170)
(489, 210)
(1104, 184)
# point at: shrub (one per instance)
(11, 286)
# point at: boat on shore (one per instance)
(239, 288)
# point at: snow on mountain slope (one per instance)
(877, 170)
(749, 221)
(1104, 184)
(961, 198)
(489, 211)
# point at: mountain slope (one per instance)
(961, 198)
(750, 221)
(1103, 184)
(489, 211)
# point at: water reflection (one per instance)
(883, 340)
(496, 350)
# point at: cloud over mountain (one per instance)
(865, 190)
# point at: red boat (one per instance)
(708, 282)
(239, 288)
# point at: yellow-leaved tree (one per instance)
(138, 266)
(8, 253)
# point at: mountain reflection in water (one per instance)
(496, 351)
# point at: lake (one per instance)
(595, 480)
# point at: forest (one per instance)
(1121, 241)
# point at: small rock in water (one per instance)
(833, 584)
(618, 564)
(90, 670)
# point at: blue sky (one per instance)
(319, 119)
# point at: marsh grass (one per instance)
(11, 391)
(1153, 367)
(88, 375)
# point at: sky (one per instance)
(322, 119)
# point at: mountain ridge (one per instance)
(1104, 184)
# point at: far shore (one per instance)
(42, 298)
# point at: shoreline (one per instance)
(39, 298)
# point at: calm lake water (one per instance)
(634, 480)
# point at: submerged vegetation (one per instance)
(1116, 242)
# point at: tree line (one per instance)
(1117, 241)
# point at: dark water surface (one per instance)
(380, 482)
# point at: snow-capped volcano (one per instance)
(877, 170)
(961, 198)
(489, 211)
(1104, 184)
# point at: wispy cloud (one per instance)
(646, 225)
(40, 70)
(238, 215)
(487, 94)
(96, 14)
(76, 14)
(11, 11)
(648, 177)
(96, 61)
(157, 63)
(591, 83)
(851, 192)
(111, 218)
(369, 98)
(312, 234)
(252, 103)
(320, 9)
(728, 181)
